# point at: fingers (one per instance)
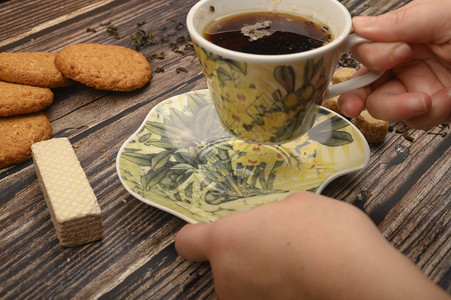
(439, 112)
(419, 22)
(382, 56)
(422, 76)
(354, 102)
(191, 242)
(393, 103)
(386, 99)
(414, 92)
(390, 102)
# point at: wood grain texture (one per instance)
(405, 188)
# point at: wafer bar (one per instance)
(73, 206)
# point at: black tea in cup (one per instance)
(267, 33)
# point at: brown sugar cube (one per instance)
(342, 74)
(73, 206)
(332, 104)
(373, 129)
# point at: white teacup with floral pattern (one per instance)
(273, 99)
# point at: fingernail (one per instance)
(364, 21)
(417, 103)
(402, 51)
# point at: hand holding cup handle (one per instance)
(354, 83)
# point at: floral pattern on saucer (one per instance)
(182, 161)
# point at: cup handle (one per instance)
(354, 83)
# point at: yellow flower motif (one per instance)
(275, 120)
(255, 154)
(243, 99)
(305, 162)
(291, 99)
(239, 108)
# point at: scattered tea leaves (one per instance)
(179, 26)
(91, 30)
(180, 69)
(112, 30)
(346, 60)
(142, 38)
(181, 39)
(408, 137)
(403, 129)
(153, 56)
(442, 134)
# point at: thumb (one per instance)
(191, 242)
(417, 22)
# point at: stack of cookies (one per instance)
(26, 80)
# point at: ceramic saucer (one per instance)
(182, 161)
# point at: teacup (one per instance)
(273, 99)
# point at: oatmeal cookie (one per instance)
(32, 68)
(104, 67)
(21, 99)
(18, 133)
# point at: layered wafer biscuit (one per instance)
(73, 206)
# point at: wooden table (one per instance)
(405, 188)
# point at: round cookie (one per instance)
(18, 133)
(21, 99)
(32, 68)
(104, 67)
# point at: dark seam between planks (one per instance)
(140, 274)
(381, 211)
(82, 280)
(61, 25)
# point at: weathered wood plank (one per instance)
(406, 195)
